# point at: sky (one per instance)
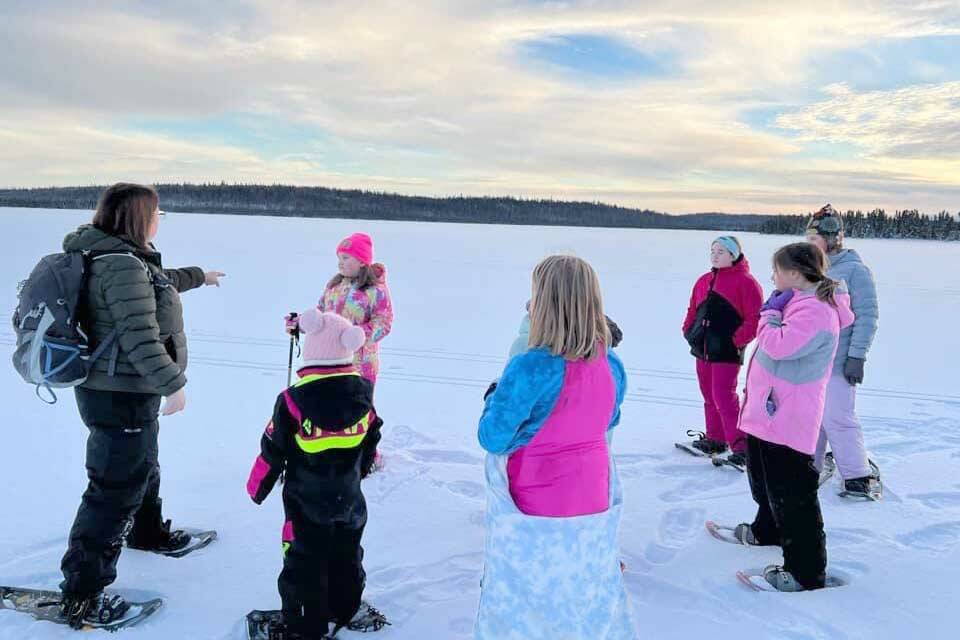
(674, 105)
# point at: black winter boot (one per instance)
(151, 533)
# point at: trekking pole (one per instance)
(294, 340)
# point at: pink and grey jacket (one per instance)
(788, 374)
(370, 309)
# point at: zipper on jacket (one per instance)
(706, 322)
(746, 386)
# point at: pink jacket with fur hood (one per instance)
(788, 374)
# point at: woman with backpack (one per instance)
(132, 301)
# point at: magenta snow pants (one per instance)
(721, 405)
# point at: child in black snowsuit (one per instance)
(322, 438)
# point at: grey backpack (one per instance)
(52, 350)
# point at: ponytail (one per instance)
(827, 290)
(811, 262)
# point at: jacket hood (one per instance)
(89, 238)
(740, 266)
(842, 298)
(846, 255)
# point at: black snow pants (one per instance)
(784, 484)
(123, 489)
(322, 578)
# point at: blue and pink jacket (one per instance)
(551, 417)
(788, 374)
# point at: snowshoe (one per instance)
(740, 534)
(775, 578)
(96, 609)
(702, 446)
(737, 460)
(270, 625)
(99, 611)
(829, 467)
(158, 540)
(781, 579)
(366, 620)
(150, 532)
(177, 543)
(866, 488)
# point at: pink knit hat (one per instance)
(359, 245)
(329, 339)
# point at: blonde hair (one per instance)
(566, 310)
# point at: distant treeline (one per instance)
(878, 223)
(321, 202)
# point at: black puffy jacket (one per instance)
(135, 295)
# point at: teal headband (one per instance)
(728, 243)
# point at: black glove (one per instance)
(615, 333)
(490, 390)
(853, 370)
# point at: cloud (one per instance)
(921, 121)
(437, 97)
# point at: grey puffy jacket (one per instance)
(855, 340)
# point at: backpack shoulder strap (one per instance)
(91, 255)
(110, 340)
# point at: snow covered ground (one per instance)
(459, 292)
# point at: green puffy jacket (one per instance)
(135, 295)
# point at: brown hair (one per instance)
(811, 262)
(368, 276)
(566, 311)
(126, 209)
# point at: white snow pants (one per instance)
(841, 428)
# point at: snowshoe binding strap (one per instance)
(367, 620)
(781, 579)
(111, 608)
(176, 539)
(97, 609)
(74, 609)
(744, 533)
(277, 631)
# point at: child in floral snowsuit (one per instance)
(359, 293)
